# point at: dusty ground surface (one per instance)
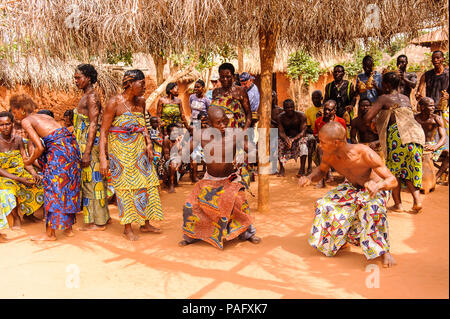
(282, 266)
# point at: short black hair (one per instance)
(392, 79)
(227, 66)
(7, 114)
(89, 71)
(200, 82)
(285, 102)
(402, 56)
(438, 51)
(69, 113)
(339, 66)
(366, 59)
(47, 112)
(170, 87)
(362, 100)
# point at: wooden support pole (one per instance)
(267, 50)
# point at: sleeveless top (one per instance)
(233, 110)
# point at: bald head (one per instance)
(426, 101)
(216, 113)
(333, 131)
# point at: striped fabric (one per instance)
(133, 176)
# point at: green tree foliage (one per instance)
(302, 65)
(116, 56)
(354, 67)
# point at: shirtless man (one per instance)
(292, 141)
(362, 197)
(22, 180)
(86, 131)
(362, 133)
(408, 80)
(226, 214)
(431, 123)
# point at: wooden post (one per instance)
(240, 53)
(159, 66)
(267, 51)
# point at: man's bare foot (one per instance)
(396, 208)
(69, 232)
(416, 209)
(150, 229)
(254, 239)
(130, 236)
(280, 174)
(109, 221)
(43, 237)
(92, 227)
(183, 243)
(171, 189)
(16, 227)
(309, 171)
(388, 260)
(320, 184)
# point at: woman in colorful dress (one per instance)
(232, 99)
(130, 151)
(59, 157)
(170, 108)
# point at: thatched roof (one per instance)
(82, 28)
(437, 36)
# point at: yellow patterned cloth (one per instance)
(93, 184)
(133, 176)
(170, 114)
(30, 199)
(233, 110)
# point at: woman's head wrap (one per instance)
(131, 76)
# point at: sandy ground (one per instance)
(282, 266)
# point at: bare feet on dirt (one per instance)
(388, 260)
(147, 228)
(92, 227)
(43, 237)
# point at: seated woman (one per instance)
(60, 159)
(21, 182)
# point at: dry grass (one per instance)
(175, 25)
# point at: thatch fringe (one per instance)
(80, 28)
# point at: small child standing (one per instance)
(157, 143)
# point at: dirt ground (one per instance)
(283, 265)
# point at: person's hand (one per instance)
(304, 181)
(27, 161)
(85, 160)
(104, 167)
(418, 96)
(37, 178)
(372, 187)
(349, 108)
(429, 147)
(444, 95)
(27, 182)
(289, 142)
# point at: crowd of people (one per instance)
(121, 154)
